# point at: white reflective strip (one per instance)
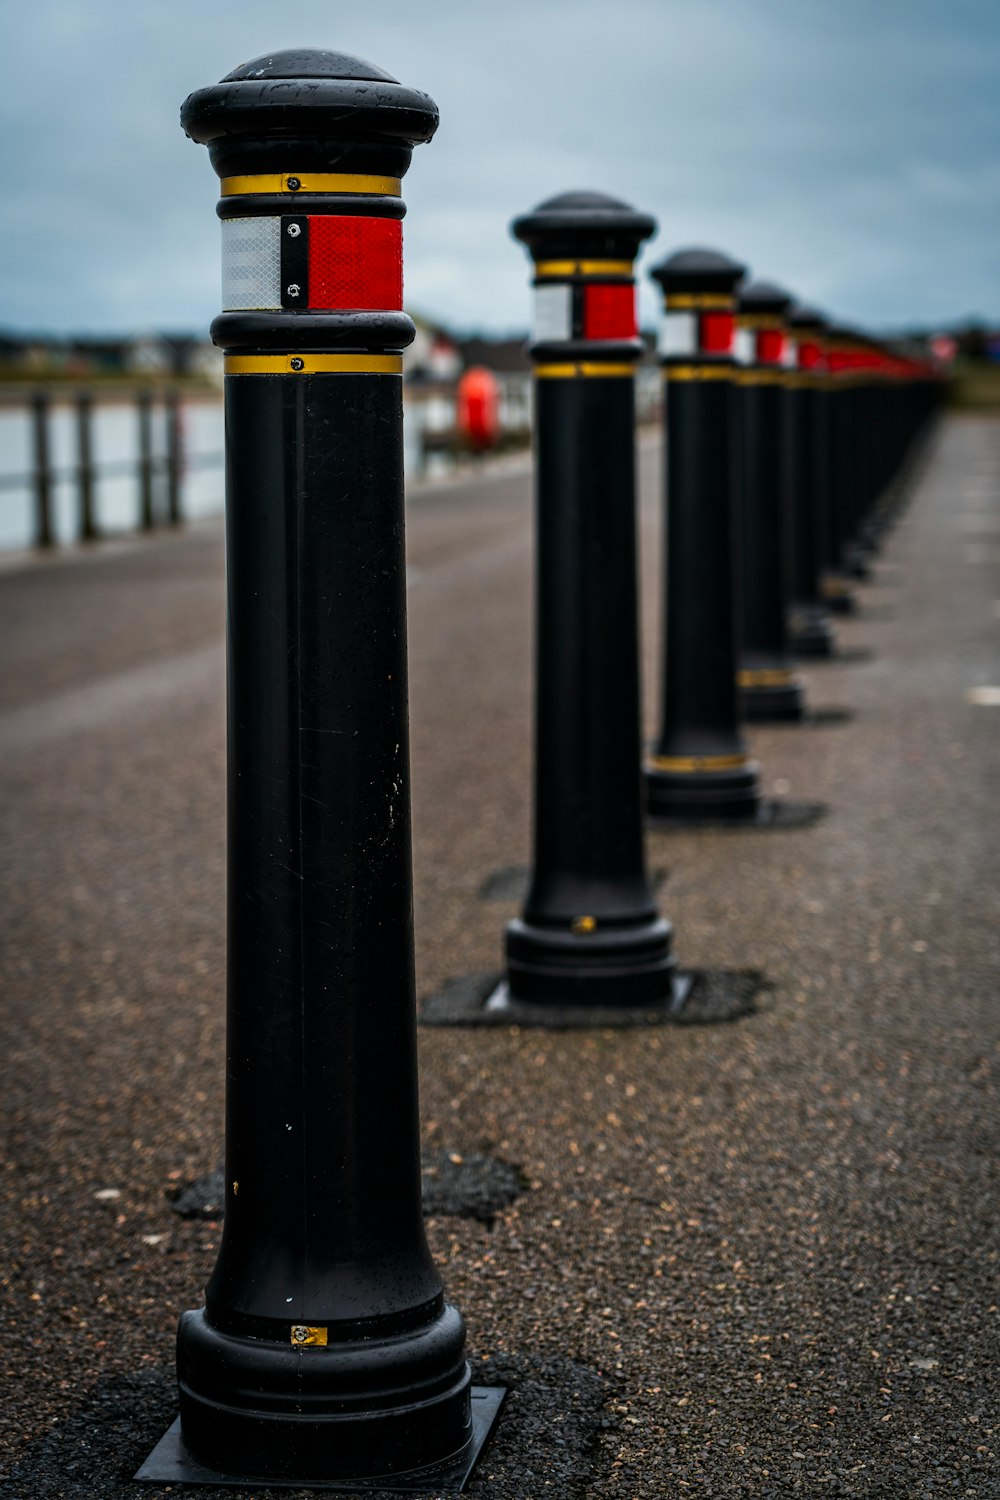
(679, 333)
(788, 354)
(553, 313)
(745, 346)
(251, 263)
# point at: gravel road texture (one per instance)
(758, 1259)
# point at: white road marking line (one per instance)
(983, 697)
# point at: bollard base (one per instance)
(696, 997)
(171, 1463)
(370, 1400)
(839, 595)
(613, 965)
(697, 796)
(784, 701)
(811, 631)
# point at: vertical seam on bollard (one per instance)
(299, 398)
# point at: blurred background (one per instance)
(849, 151)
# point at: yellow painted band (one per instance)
(701, 372)
(571, 372)
(698, 762)
(313, 364)
(835, 588)
(764, 377)
(311, 182)
(682, 301)
(751, 677)
(583, 268)
(766, 322)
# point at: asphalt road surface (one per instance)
(758, 1259)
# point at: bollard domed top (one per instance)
(698, 271)
(309, 110)
(801, 316)
(764, 297)
(583, 224)
(305, 62)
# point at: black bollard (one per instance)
(144, 464)
(700, 769)
(590, 933)
(325, 1353)
(769, 687)
(844, 465)
(42, 477)
(86, 521)
(809, 484)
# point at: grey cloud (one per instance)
(848, 149)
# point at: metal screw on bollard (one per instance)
(591, 933)
(325, 1354)
(700, 769)
(769, 688)
(809, 482)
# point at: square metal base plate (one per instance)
(777, 813)
(701, 997)
(170, 1462)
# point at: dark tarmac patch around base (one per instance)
(547, 1439)
(511, 883)
(841, 656)
(775, 813)
(469, 1186)
(703, 998)
(812, 718)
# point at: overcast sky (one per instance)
(849, 149)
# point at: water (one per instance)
(116, 457)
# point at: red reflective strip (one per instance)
(838, 361)
(715, 333)
(609, 312)
(355, 261)
(770, 346)
(810, 356)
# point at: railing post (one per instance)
(325, 1350)
(700, 768)
(175, 456)
(86, 522)
(144, 467)
(769, 687)
(591, 933)
(44, 532)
